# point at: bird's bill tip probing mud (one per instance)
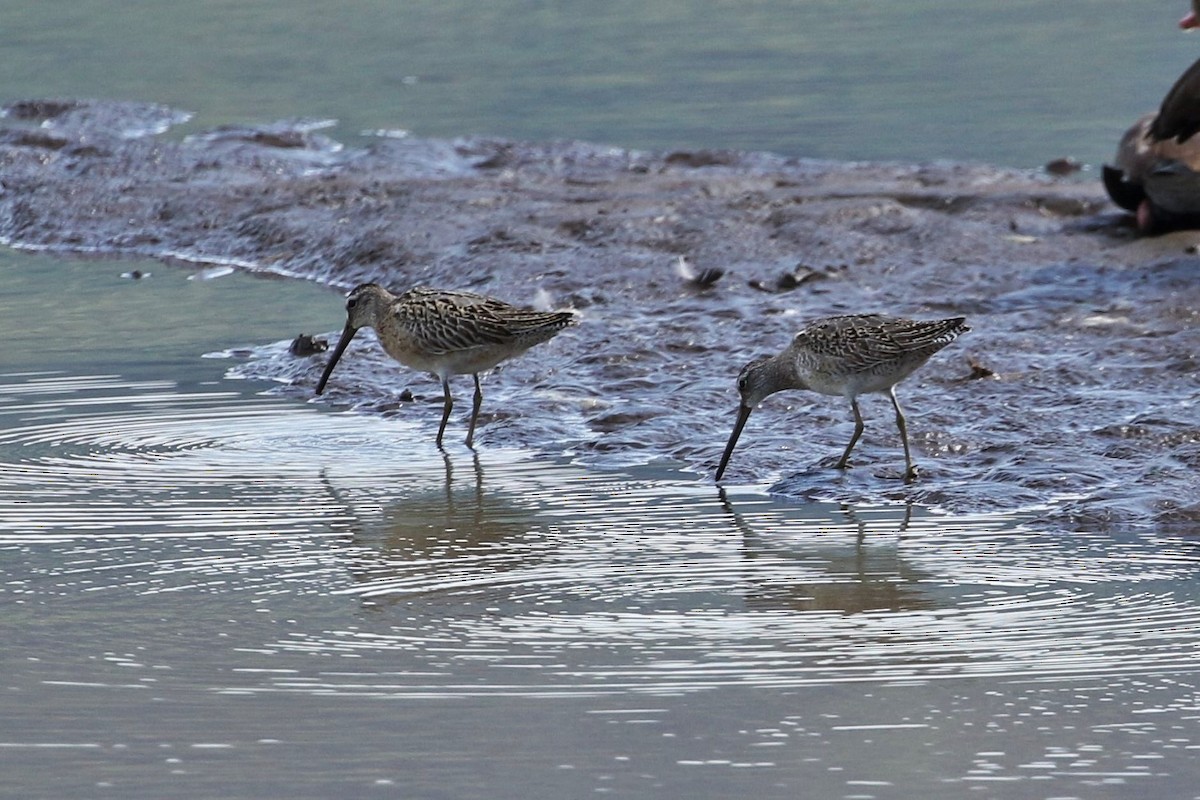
(344, 342)
(743, 415)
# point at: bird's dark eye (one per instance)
(741, 384)
(351, 303)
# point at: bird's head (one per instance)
(754, 382)
(365, 304)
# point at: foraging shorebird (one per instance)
(445, 333)
(846, 356)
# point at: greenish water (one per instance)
(210, 591)
(1010, 83)
(81, 315)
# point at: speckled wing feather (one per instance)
(864, 342)
(450, 321)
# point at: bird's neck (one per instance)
(784, 373)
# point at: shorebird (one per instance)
(846, 356)
(445, 333)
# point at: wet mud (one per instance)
(1073, 398)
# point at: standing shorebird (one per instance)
(445, 333)
(846, 356)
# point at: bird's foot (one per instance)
(841, 464)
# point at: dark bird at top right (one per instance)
(1156, 174)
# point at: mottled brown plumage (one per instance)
(445, 333)
(847, 356)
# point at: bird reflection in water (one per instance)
(453, 539)
(854, 577)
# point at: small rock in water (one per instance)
(305, 345)
(1063, 166)
(978, 370)
(800, 275)
(135, 275)
(790, 280)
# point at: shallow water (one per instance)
(1015, 83)
(216, 587)
(208, 589)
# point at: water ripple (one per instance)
(495, 574)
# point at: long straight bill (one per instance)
(743, 415)
(347, 334)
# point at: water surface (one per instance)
(208, 589)
(1014, 83)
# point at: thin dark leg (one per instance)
(445, 409)
(910, 471)
(474, 412)
(858, 429)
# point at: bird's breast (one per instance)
(463, 361)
